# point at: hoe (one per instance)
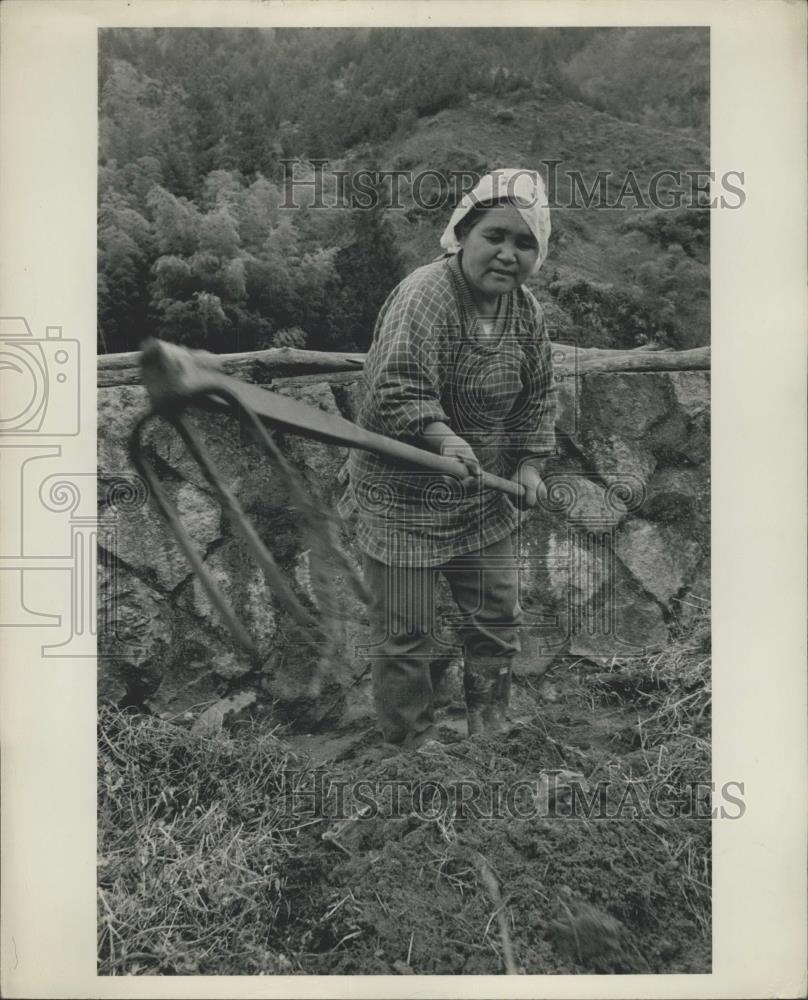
(178, 379)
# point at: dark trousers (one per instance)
(404, 643)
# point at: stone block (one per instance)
(144, 542)
(119, 408)
(679, 495)
(134, 635)
(661, 557)
(241, 582)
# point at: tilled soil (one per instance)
(524, 882)
(568, 844)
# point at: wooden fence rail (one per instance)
(262, 367)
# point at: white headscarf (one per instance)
(524, 189)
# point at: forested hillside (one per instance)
(195, 246)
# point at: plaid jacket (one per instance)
(430, 360)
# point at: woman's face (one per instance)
(499, 253)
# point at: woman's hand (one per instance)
(452, 446)
(441, 438)
(529, 479)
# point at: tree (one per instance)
(366, 271)
(176, 222)
(125, 251)
(199, 322)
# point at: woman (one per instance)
(460, 364)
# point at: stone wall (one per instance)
(617, 560)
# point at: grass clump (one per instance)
(194, 849)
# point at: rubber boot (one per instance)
(439, 670)
(487, 686)
(496, 720)
(478, 687)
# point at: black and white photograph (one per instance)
(399, 575)
(408, 642)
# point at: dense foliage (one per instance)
(194, 126)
